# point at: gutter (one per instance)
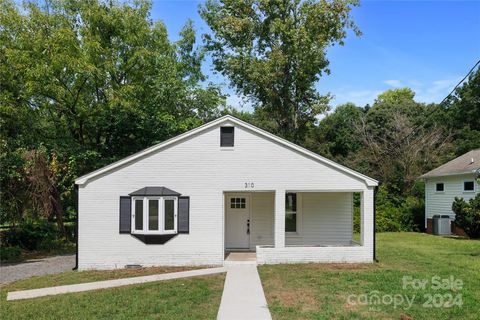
(76, 227)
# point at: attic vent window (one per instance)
(227, 135)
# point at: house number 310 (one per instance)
(249, 185)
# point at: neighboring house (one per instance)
(457, 178)
(224, 186)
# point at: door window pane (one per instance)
(169, 214)
(238, 203)
(152, 214)
(138, 214)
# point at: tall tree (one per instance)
(463, 114)
(334, 136)
(92, 81)
(274, 52)
(400, 142)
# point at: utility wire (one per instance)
(444, 99)
(461, 81)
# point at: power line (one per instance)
(461, 81)
(438, 108)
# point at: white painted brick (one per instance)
(197, 167)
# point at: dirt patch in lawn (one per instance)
(341, 266)
(302, 299)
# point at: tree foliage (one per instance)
(85, 83)
(462, 113)
(274, 52)
(467, 215)
(91, 82)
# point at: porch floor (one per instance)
(239, 258)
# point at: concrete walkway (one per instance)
(27, 294)
(243, 296)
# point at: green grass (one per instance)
(315, 291)
(190, 298)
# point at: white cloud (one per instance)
(428, 92)
(437, 90)
(358, 97)
(394, 83)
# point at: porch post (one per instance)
(367, 218)
(279, 223)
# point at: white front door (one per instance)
(237, 221)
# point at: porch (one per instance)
(298, 226)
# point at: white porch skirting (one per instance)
(330, 254)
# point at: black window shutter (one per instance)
(183, 215)
(125, 214)
(227, 135)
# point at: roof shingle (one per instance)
(154, 191)
(467, 163)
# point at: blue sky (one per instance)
(426, 45)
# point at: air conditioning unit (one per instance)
(441, 225)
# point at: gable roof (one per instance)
(466, 163)
(227, 118)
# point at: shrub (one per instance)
(70, 231)
(29, 234)
(49, 245)
(388, 219)
(10, 254)
(467, 215)
(413, 214)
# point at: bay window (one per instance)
(154, 215)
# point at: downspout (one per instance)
(76, 227)
(374, 224)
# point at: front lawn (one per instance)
(343, 291)
(189, 298)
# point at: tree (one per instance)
(400, 142)
(91, 82)
(274, 52)
(334, 137)
(462, 114)
(467, 215)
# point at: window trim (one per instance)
(299, 212)
(468, 191)
(438, 191)
(227, 147)
(175, 214)
(161, 215)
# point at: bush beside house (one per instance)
(39, 236)
(467, 215)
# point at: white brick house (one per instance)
(224, 186)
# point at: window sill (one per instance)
(227, 148)
(292, 235)
(153, 233)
